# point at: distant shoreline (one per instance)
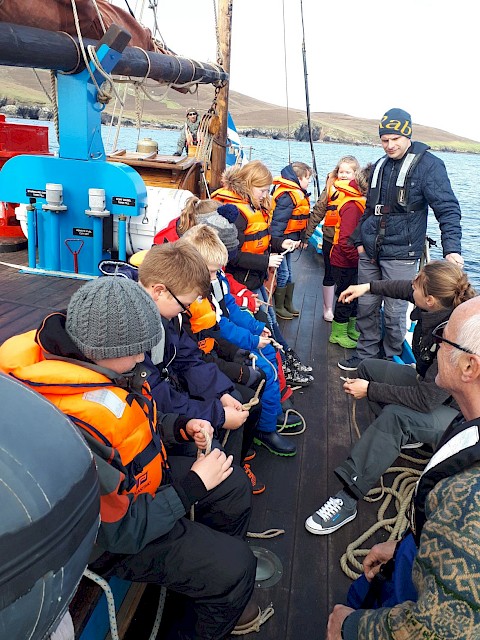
(43, 113)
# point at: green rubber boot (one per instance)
(280, 310)
(289, 300)
(352, 330)
(339, 336)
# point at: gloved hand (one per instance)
(241, 356)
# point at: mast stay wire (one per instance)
(307, 100)
(286, 81)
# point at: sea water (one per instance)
(463, 170)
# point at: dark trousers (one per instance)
(395, 426)
(328, 280)
(207, 562)
(344, 277)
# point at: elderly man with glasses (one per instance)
(189, 134)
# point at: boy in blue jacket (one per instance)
(242, 329)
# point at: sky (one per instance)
(363, 57)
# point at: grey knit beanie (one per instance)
(112, 318)
(227, 231)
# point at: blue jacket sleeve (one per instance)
(439, 195)
(243, 318)
(243, 338)
(281, 215)
(203, 379)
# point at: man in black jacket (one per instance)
(391, 234)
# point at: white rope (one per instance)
(256, 623)
(284, 427)
(112, 617)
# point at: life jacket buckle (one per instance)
(378, 210)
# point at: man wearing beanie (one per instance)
(390, 236)
(89, 363)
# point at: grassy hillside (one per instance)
(253, 117)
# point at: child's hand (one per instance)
(266, 333)
(234, 418)
(194, 428)
(213, 469)
(263, 341)
(353, 291)
(275, 260)
(258, 303)
(229, 401)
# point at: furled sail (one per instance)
(57, 15)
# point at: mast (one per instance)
(219, 143)
(307, 99)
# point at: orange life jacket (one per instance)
(345, 192)
(110, 414)
(301, 204)
(203, 317)
(339, 191)
(257, 233)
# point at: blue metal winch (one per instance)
(72, 197)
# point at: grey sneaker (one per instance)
(330, 517)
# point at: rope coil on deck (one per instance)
(400, 493)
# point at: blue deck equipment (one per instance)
(73, 197)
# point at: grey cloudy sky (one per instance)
(363, 57)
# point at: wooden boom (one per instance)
(22, 46)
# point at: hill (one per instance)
(20, 88)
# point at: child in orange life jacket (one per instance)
(241, 328)
(183, 379)
(325, 208)
(248, 188)
(291, 210)
(89, 363)
(350, 198)
(194, 212)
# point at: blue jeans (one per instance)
(270, 311)
(284, 271)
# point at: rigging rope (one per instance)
(286, 81)
(307, 99)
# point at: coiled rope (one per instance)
(400, 496)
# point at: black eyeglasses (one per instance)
(437, 334)
(192, 113)
(183, 306)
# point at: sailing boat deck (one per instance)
(312, 580)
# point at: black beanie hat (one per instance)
(396, 121)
